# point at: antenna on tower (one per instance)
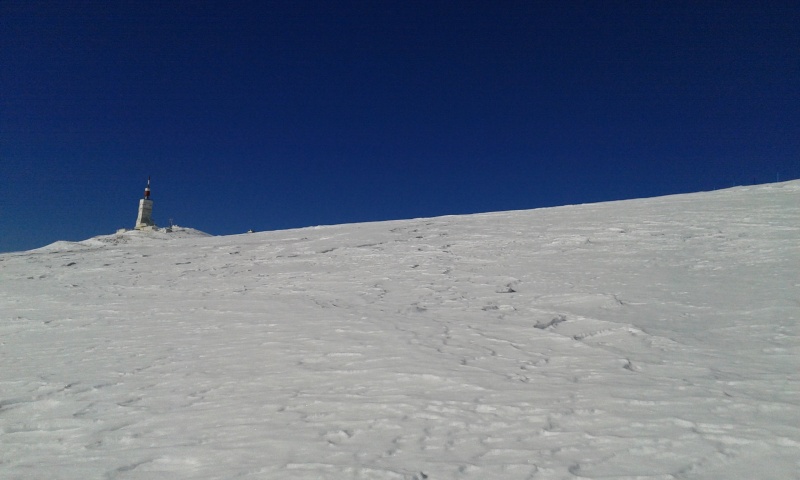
(147, 189)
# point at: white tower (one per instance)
(145, 218)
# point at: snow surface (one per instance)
(649, 339)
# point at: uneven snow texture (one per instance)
(647, 339)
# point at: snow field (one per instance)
(651, 339)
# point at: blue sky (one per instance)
(271, 115)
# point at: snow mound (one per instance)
(59, 246)
(123, 237)
(144, 236)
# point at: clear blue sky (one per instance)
(272, 115)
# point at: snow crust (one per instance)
(646, 339)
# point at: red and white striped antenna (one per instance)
(147, 189)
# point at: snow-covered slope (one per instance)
(651, 339)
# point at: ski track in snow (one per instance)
(648, 339)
